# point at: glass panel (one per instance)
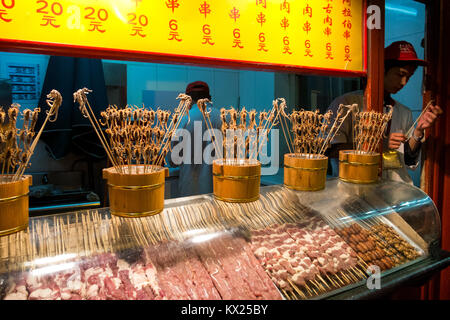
(307, 244)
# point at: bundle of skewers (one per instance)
(17, 146)
(237, 171)
(312, 133)
(361, 164)
(134, 135)
(136, 141)
(368, 130)
(373, 239)
(245, 132)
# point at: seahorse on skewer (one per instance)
(223, 118)
(243, 119)
(233, 118)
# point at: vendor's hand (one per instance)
(428, 118)
(395, 140)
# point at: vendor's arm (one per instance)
(426, 121)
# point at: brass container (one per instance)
(358, 167)
(14, 204)
(236, 180)
(305, 172)
(136, 192)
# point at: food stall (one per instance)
(346, 241)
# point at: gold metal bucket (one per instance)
(14, 204)
(138, 191)
(358, 167)
(305, 172)
(236, 180)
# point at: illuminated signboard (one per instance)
(304, 34)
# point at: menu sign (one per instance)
(312, 34)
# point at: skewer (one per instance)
(80, 96)
(323, 281)
(54, 101)
(332, 281)
(286, 294)
(318, 285)
(363, 264)
(310, 290)
(411, 129)
(347, 276)
(300, 293)
(339, 279)
(202, 103)
(352, 275)
(359, 272)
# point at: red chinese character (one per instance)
(137, 32)
(207, 38)
(172, 4)
(237, 41)
(328, 8)
(307, 11)
(285, 6)
(307, 27)
(234, 14)
(349, 2)
(261, 18)
(49, 20)
(204, 9)
(3, 14)
(329, 52)
(237, 44)
(262, 47)
(347, 24)
(308, 52)
(173, 34)
(284, 23)
(95, 25)
(327, 31)
(328, 20)
(263, 2)
(262, 44)
(347, 53)
(286, 43)
(347, 34)
(347, 12)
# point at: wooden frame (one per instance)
(374, 94)
(435, 172)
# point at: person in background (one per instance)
(195, 177)
(401, 62)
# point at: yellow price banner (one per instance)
(320, 35)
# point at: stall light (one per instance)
(119, 15)
(59, 206)
(51, 260)
(401, 9)
(194, 232)
(205, 237)
(53, 269)
(411, 204)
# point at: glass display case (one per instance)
(287, 245)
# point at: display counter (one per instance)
(328, 244)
